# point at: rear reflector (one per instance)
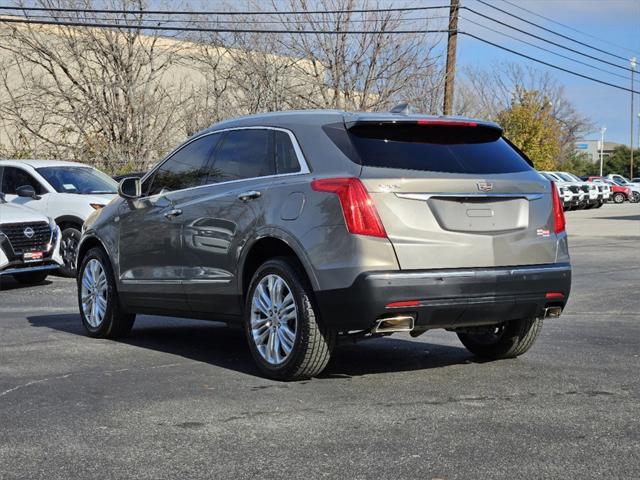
(404, 303)
(359, 211)
(554, 295)
(448, 123)
(559, 222)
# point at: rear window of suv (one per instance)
(437, 148)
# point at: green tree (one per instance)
(530, 124)
(619, 161)
(579, 164)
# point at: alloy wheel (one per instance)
(69, 250)
(94, 289)
(274, 319)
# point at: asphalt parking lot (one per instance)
(182, 399)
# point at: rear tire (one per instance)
(508, 340)
(286, 339)
(635, 197)
(31, 278)
(100, 309)
(619, 197)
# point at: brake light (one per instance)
(359, 211)
(559, 222)
(448, 123)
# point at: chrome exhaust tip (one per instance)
(552, 312)
(402, 323)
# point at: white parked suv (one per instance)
(68, 192)
(571, 194)
(593, 196)
(29, 243)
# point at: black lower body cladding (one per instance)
(447, 298)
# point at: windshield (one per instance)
(620, 180)
(577, 179)
(82, 180)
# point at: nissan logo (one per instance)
(28, 232)
(485, 186)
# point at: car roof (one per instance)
(42, 163)
(322, 117)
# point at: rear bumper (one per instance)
(447, 298)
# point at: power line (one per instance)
(569, 27)
(358, 32)
(548, 50)
(552, 31)
(141, 26)
(225, 12)
(546, 40)
(537, 60)
(160, 21)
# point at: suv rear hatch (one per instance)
(454, 194)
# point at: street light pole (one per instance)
(602, 130)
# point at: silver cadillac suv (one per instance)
(314, 227)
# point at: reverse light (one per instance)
(96, 206)
(359, 211)
(559, 222)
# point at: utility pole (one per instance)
(452, 43)
(633, 70)
(602, 130)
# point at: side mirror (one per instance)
(27, 191)
(130, 187)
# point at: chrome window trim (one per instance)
(304, 166)
(427, 196)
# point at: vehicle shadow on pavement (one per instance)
(216, 344)
(628, 217)
(7, 284)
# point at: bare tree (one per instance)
(91, 94)
(485, 93)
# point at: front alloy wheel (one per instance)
(69, 251)
(100, 309)
(93, 292)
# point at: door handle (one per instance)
(251, 195)
(173, 213)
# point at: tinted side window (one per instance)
(286, 158)
(186, 168)
(13, 178)
(243, 154)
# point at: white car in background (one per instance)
(68, 192)
(624, 182)
(593, 197)
(571, 194)
(29, 244)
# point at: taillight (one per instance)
(359, 211)
(558, 212)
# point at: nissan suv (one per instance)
(29, 244)
(316, 227)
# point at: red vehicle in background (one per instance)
(618, 194)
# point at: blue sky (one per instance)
(616, 21)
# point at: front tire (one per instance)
(69, 251)
(98, 298)
(286, 339)
(506, 340)
(31, 278)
